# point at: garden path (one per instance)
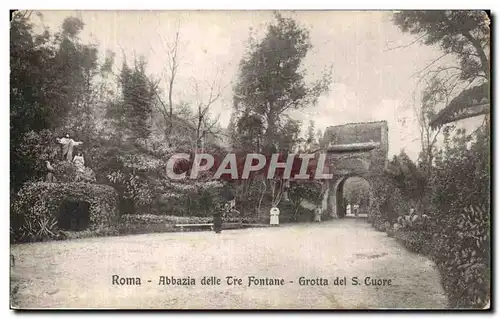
(78, 273)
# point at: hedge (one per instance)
(148, 223)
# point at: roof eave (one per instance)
(466, 112)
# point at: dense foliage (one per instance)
(451, 221)
(455, 179)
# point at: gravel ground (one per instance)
(79, 273)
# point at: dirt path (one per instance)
(78, 273)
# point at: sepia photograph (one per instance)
(250, 159)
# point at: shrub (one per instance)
(133, 188)
(379, 225)
(460, 197)
(416, 241)
(101, 231)
(162, 219)
(462, 253)
(67, 172)
(29, 154)
(414, 222)
(299, 191)
(64, 171)
(190, 198)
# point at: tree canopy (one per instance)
(465, 34)
(271, 80)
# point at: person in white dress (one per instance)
(79, 162)
(317, 214)
(275, 219)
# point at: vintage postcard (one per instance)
(250, 160)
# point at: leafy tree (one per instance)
(202, 121)
(91, 85)
(131, 115)
(464, 34)
(249, 134)
(299, 191)
(319, 136)
(172, 70)
(271, 81)
(289, 135)
(407, 177)
(40, 94)
(433, 95)
(356, 190)
(310, 139)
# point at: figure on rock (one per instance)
(67, 146)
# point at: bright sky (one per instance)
(371, 83)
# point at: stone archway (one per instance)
(354, 149)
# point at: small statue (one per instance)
(50, 173)
(67, 146)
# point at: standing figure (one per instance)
(218, 216)
(79, 162)
(217, 221)
(356, 210)
(275, 219)
(317, 214)
(67, 146)
(50, 173)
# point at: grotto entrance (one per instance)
(74, 215)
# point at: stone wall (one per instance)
(358, 133)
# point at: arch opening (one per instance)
(352, 197)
